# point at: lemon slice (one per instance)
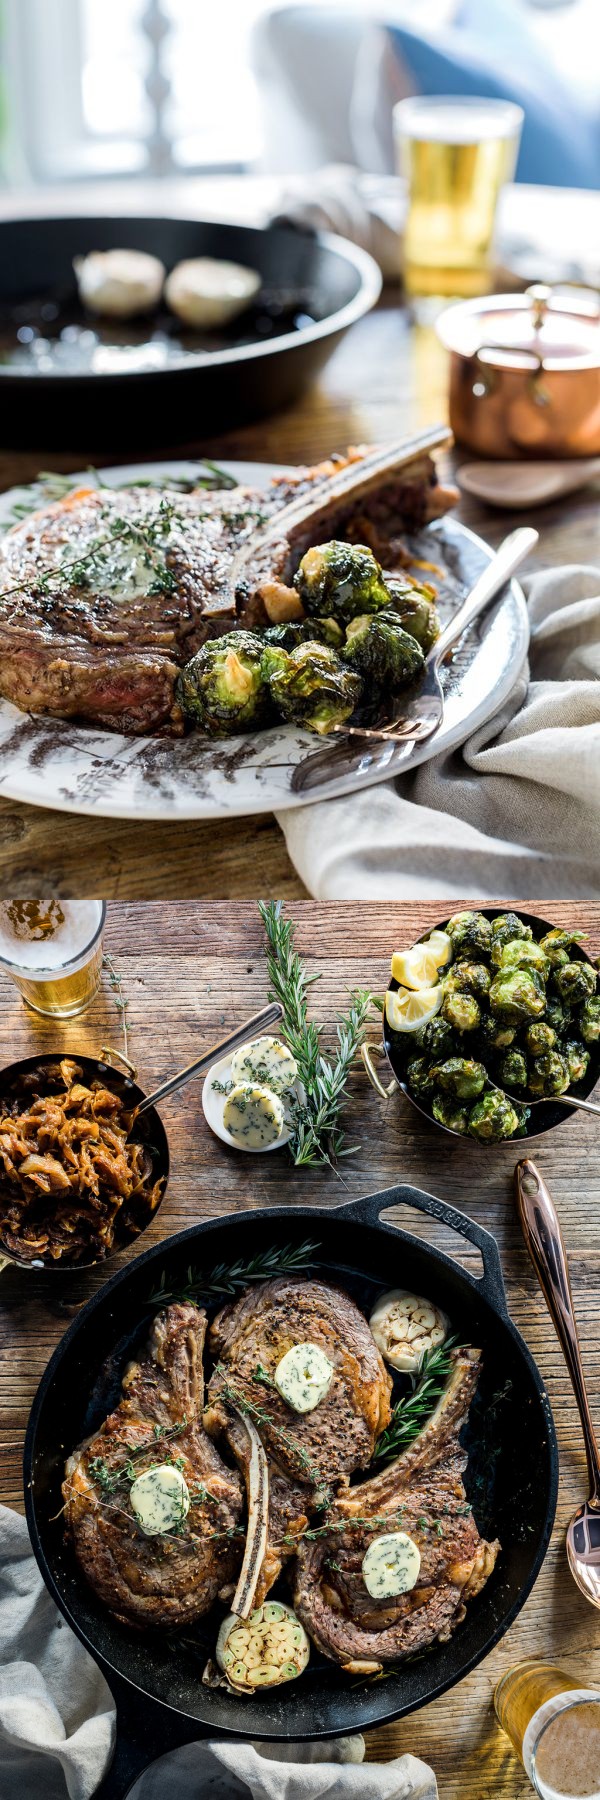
(441, 944)
(407, 1009)
(416, 968)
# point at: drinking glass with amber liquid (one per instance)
(52, 950)
(455, 156)
(553, 1721)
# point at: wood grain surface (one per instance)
(189, 971)
(387, 378)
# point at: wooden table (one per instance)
(188, 970)
(387, 378)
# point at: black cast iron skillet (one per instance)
(512, 1479)
(544, 1116)
(323, 284)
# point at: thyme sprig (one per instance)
(109, 1477)
(316, 1136)
(121, 1002)
(310, 1471)
(50, 487)
(412, 1410)
(231, 1278)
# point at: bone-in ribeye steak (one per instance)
(102, 641)
(169, 1579)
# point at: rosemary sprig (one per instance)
(121, 1003)
(413, 1410)
(232, 1278)
(316, 1137)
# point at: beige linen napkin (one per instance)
(515, 811)
(57, 1722)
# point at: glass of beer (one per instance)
(52, 949)
(455, 155)
(553, 1721)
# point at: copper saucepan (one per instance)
(139, 1109)
(525, 373)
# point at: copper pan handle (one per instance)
(544, 1240)
(368, 1051)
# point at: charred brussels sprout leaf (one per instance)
(555, 1014)
(460, 1010)
(299, 631)
(415, 609)
(577, 1059)
(461, 1076)
(575, 982)
(311, 686)
(470, 978)
(518, 995)
(549, 1074)
(222, 689)
(447, 1112)
(382, 652)
(589, 1020)
(519, 953)
(504, 928)
(493, 1118)
(556, 945)
(540, 1037)
(512, 1068)
(340, 581)
(470, 933)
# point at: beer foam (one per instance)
(46, 935)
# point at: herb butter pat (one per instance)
(391, 1565)
(160, 1499)
(253, 1116)
(267, 1061)
(303, 1377)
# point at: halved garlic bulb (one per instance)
(263, 1651)
(207, 292)
(119, 283)
(405, 1327)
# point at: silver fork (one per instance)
(423, 712)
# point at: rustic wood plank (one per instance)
(385, 379)
(190, 969)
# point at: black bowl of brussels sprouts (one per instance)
(519, 1021)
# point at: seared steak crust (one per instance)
(422, 1494)
(308, 1453)
(170, 1579)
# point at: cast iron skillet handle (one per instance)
(144, 1733)
(491, 1284)
(544, 1240)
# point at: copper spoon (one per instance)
(543, 1237)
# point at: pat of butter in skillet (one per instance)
(303, 1377)
(267, 1061)
(253, 1116)
(160, 1499)
(391, 1565)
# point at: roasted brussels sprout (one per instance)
(311, 686)
(512, 1068)
(340, 581)
(496, 1033)
(415, 609)
(556, 945)
(549, 1074)
(518, 995)
(575, 982)
(470, 934)
(461, 1076)
(589, 1020)
(540, 1037)
(460, 1010)
(519, 953)
(577, 1059)
(447, 1112)
(222, 689)
(493, 1118)
(504, 928)
(420, 1076)
(436, 1039)
(382, 652)
(470, 978)
(556, 1014)
(298, 631)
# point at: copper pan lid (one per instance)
(540, 328)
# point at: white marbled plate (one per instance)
(74, 768)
